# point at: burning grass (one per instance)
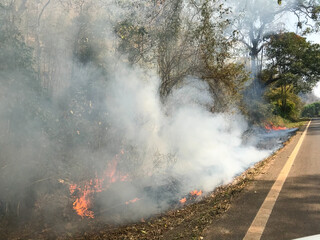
(83, 194)
(186, 220)
(279, 121)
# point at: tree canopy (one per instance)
(292, 60)
(292, 68)
(258, 19)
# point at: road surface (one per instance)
(284, 201)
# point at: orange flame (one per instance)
(133, 201)
(83, 202)
(196, 193)
(270, 126)
(183, 200)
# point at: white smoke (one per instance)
(207, 146)
(169, 149)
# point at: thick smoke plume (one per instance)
(179, 144)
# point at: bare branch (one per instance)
(40, 15)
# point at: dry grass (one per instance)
(189, 221)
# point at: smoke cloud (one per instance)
(165, 150)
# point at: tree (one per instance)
(293, 66)
(168, 58)
(225, 78)
(180, 39)
(257, 20)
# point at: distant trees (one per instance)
(311, 110)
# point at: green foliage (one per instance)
(210, 34)
(277, 120)
(315, 12)
(284, 103)
(311, 110)
(293, 61)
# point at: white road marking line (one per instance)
(259, 223)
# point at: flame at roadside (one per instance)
(270, 126)
(193, 195)
(133, 201)
(196, 193)
(84, 192)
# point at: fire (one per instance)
(82, 204)
(196, 193)
(193, 195)
(133, 201)
(270, 126)
(85, 192)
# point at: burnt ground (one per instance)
(183, 222)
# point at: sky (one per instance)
(316, 90)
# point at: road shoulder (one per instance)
(243, 208)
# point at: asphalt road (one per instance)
(296, 212)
